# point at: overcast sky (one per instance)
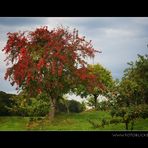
(119, 38)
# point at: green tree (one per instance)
(133, 88)
(101, 86)
(131, 92)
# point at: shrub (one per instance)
(130, 114)
(103, 105)
(115, 121)
(113, 112)
(143, 111)
(70, 106)
(5, 103)
(94, 124)
(61, 107)
(37, 108)
(75, 106)
(25, 106)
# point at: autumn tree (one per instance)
(101, 85)
(46, 61)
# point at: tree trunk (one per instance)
(52, 109)
(95, 98)
(67, 108)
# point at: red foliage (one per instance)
(39, 91)
(41, 63)
(58, 51)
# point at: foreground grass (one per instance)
(13, 123)
(70, 122)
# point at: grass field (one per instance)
(67, 122)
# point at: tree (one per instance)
(46, 61)
(133, 88)
(101, 85)
(138, 73)
(131, 92)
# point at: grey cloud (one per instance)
(120, 39)
(19, 21)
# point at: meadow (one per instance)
(67, 122)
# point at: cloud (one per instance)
(119, 38)
(5, 85)
(21, 21)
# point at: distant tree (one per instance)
(67, 106)
(75, 106)
(99, 86)
(5, 101)
(46, 61)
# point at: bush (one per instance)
(5, 103)
(115, 121)
(37, 108)
(103, 105)
(121, 112)
(144, 111)
(61, 107)
(94, 124)
(75, 106)
(113, 112)
(70, 106)
(104, 122)
(25, 106)
(130, 114)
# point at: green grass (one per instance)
(67, 122)
(13, 123)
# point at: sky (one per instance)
(119, 39)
